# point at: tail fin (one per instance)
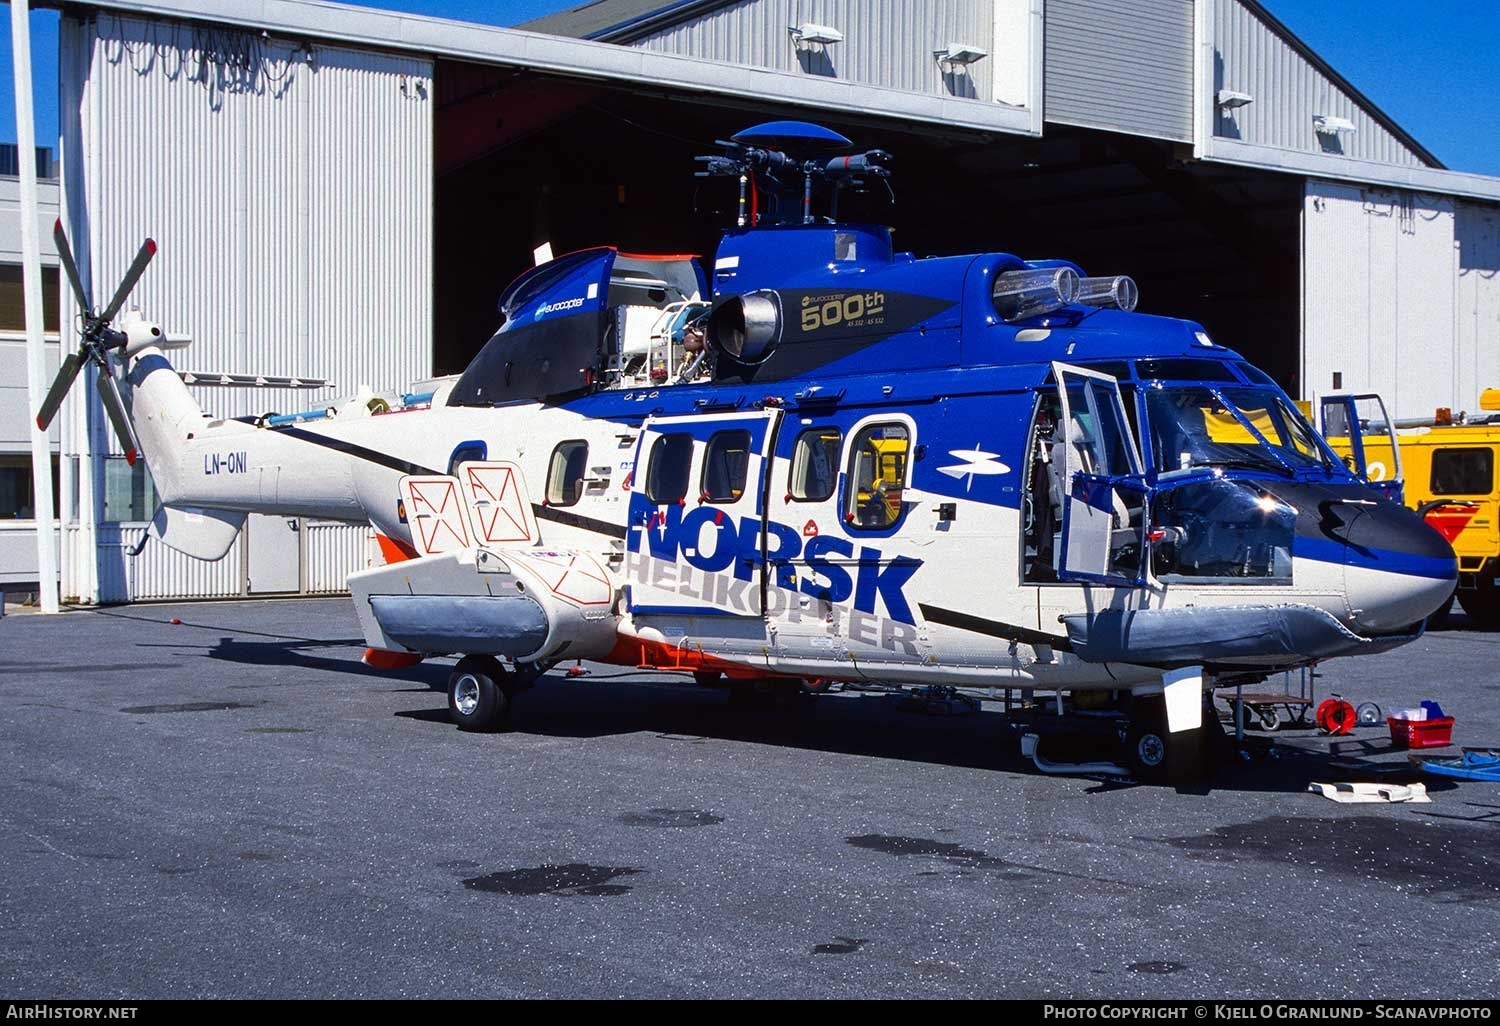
(165, 416)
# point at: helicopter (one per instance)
(815, 459)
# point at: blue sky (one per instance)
(1432, 66)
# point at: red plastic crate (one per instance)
(1421, 733)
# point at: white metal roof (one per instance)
(317, 19)
(440, 37)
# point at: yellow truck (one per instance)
(1444, 468)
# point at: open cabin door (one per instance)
(1104, 494)
(698, 514)
(1361, 423)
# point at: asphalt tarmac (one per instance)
(234, 806)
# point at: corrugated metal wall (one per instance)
(887, 43)
(332, 552)
(1121, 65)
(1477, 312)
(1288, 91)
(159, 572)
(289, 188)
(1382, 299)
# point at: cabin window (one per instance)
(468, 452)
(565, 473)
(815, 463)
(669, 468)
(1463, 471)
(726, 462)
(877, 476)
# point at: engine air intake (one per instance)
(1030, 293)
(746, 327)
(1118, 292)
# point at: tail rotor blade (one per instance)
(137, 266)
(70, 268)
(109, 391)
(66, 375)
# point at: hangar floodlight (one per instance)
(1331, 124)
(960, 55)
(811, 33)
(1232, 98)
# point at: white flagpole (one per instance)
(31, 264)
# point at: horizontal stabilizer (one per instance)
(200, 533)
(219, 379)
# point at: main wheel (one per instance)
(478, 699)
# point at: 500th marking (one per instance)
(851, 309)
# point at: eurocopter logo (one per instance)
(973, 461)
(566, 304)
(708, 540)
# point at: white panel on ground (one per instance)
(275, 555)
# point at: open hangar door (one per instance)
(523, 159)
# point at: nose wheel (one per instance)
(1159, 756)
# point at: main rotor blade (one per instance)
(70, 268)
(66, 375)
(109, 391)
(142, 258)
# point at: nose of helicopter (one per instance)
(1397, 569)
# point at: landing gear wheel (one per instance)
(708, 678)
(478, 696)
(1158, 756)
(1149, 752)
(816, 686)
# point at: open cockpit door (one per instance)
(1361, 423)
(1104, 494)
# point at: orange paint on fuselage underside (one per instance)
(658, 655)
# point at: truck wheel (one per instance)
(1483, 603)
(478, 699)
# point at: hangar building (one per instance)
(341, 193)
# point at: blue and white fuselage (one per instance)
(820, 458)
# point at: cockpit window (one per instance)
(1184, 370)
(1245, 427)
